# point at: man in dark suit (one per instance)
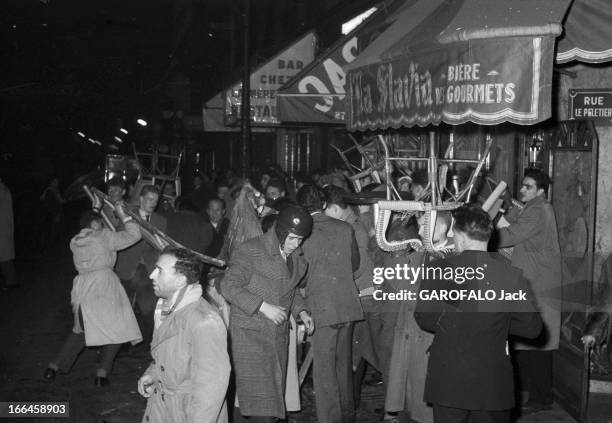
(136, 263)
(220, 223)
(188, 227)
(469, 372)
(332, 296)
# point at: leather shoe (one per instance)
(534, 407)
(100, 381)
(49, 374)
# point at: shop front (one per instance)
(503, 67)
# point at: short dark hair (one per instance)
(473, 221)
(335, 195)
(187, 263)
(87, 217)
(310, 198)
(116, 181)
(540, 178)
(146, 189)
(218, 200)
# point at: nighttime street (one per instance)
(300, 211)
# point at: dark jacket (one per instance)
(190, 229)
(257, 273)
(332, 254)
(469, 366)
(140, 253)
(218, 237)
(533, 233)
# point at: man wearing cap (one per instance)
(261, 285)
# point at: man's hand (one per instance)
(273, 312)
(97, 203)
(119, 209)
(145, 385)
(507, 199)
(308, 322)
(588, 340)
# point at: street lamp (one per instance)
(142, 122)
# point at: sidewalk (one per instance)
(38, 317)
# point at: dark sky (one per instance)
(69, 65)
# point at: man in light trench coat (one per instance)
(188, 378)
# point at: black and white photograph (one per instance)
(306, 211)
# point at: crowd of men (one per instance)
(440, 360)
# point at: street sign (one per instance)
(591, 103)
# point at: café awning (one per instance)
(221, 113)
(587, 33)
(457, 61)
(317, 93)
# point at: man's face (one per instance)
(166, 280)
(148, 202)
(291, 243)
(416, 190)
(274, 193)
(222, 192)
(529, 191)
(115, 193)
(215, 211)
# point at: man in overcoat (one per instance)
(188, 378)
(469, 374)
(333, 298)
(261, 285)
(533, 234)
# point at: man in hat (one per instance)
(261, 285)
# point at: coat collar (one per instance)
(320, 217)
(536, 201)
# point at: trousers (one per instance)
(75, 343)
(332, 373)
(459, 415)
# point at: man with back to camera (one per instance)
(533, 234)
(188, 378)
(469, 374)
(332, 296)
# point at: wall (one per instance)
(594, 77)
